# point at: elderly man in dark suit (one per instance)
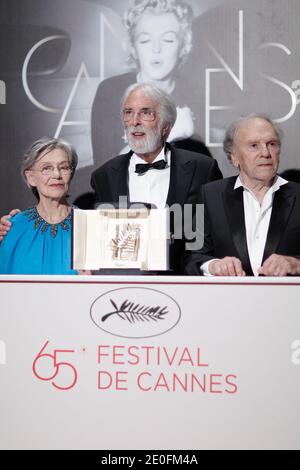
(175, 175)
(252, 222)
(153, 172)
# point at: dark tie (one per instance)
(142, 168)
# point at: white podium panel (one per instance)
(149, 363)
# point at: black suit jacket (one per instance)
(225, 231)
(189, 171)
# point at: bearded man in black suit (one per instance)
(154, 172)
(252, 222)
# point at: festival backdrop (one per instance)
(64, 65)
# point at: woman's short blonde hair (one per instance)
(182, 10)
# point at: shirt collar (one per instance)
(276, 185)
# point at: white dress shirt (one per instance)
(257, 221)
(151, 187)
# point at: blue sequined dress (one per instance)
(32, 246)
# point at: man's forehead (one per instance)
(137, 99)
(255, 128)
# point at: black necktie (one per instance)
(142, 168)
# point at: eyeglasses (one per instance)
(49, 170)
(145, 114)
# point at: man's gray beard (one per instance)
(149, 143)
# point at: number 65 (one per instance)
(57, 367)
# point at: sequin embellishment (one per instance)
(33, 215)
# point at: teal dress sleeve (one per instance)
(32, 246)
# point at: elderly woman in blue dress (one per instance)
(39, 241)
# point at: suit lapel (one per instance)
(282, 206)
(234, 209)
(120, 178)
(180, 179)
